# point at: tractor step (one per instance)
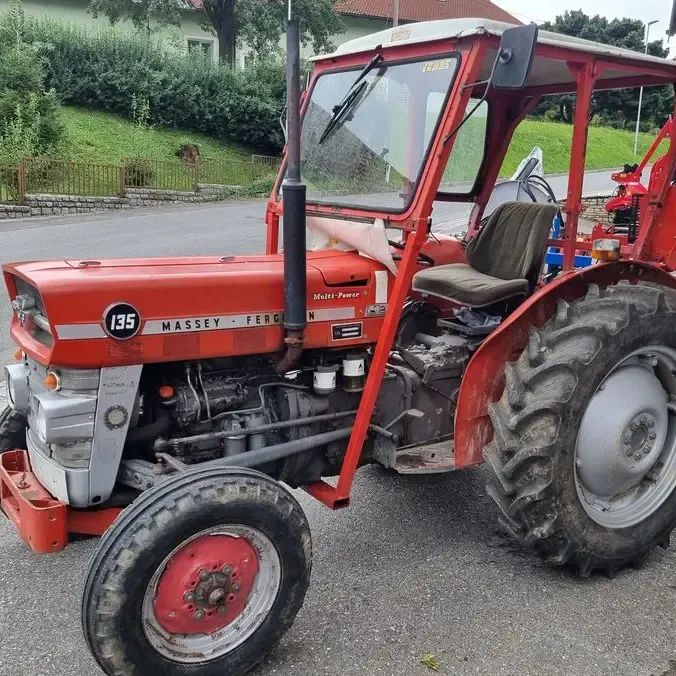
(41, 520)
(428, 459)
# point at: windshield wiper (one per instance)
(353, 94)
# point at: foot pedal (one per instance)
(434, 458)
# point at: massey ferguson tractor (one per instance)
(168, 403)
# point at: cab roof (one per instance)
(549, 68)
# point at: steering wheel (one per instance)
(422, 258)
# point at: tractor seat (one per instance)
(505, 258)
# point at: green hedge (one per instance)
(106, 69)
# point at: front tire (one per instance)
(584, 447)
(12, 430)
(201, 576)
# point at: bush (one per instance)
(138, 173)
(108, 70)
(29, 122)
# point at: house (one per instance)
(360, 17)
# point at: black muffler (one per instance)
(294, 197)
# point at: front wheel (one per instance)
(584, 447)
(12, 430)
(202, 576)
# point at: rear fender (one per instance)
(483, 381)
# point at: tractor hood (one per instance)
(81, 312)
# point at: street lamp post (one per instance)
(640, 94)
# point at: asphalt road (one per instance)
(414, 566)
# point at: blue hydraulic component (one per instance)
(554, 257)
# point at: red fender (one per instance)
(483, 381)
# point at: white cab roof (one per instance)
(548, 71)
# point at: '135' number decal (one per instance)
(122, 321)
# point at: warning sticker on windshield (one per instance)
(436, 66)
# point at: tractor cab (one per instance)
(407, 130)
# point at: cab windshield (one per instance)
(371, 155)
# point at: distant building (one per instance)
(360, 18)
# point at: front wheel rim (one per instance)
(211, 593)
(625, 455)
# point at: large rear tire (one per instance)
(201, 576)
(12, 430)
(584, 447)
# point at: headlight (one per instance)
(61, 420)
(40, 420)
(17, 387)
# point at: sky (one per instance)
(647, 10)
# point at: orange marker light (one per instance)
(167, 392)
(18, 355)
(52, 381)
(606, 250)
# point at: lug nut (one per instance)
(634, 426)
(651, 423)
(204, 575)
(644, 420)
(652, 435)
(222, 610)
(189, 597)
(647, 449)
(199, 615)
(227, 569)
(627, 439)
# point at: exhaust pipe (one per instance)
(293, 188)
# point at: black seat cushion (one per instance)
(505, 258)
(462, 283)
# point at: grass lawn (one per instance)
(98, 137)
(606, 148)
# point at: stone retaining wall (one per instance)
(53, 205)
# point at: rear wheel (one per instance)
(203, 575)
(584, 448)
(12, 430)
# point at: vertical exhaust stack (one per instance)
(294, 209)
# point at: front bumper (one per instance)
(41, 520)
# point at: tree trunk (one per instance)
(227, 33)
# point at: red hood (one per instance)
(77, 293)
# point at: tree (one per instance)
(142, 13)
(260, 24)
(618, 107)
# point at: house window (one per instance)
(206, 46)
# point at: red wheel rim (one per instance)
(206, 584)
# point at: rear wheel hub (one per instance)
(626, 445)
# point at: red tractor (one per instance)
(165, 402)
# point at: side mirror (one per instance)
(515, 57)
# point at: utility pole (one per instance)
(640, 95)
(395, 17)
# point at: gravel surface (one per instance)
(414, 566)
